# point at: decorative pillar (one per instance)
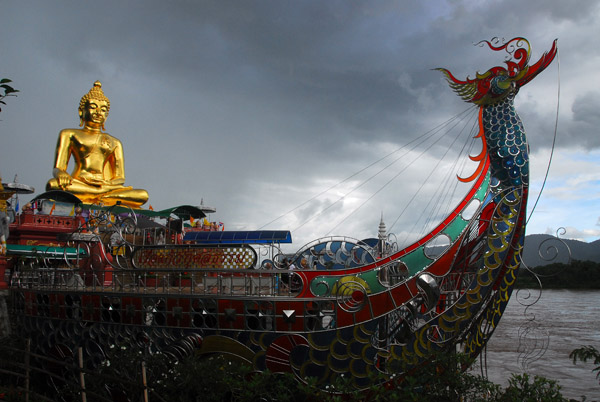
(382, 236)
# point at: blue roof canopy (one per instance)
(241, 237)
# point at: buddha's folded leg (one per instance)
(107, 195)
(126, 196)
(76, 187)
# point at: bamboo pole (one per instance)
(144, 382)
(27, 377)
(81, 374)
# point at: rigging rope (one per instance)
(553, 140)
(447, 193)
(349, 177)
(414, 196)
(401, 171)
(425, 137)
(422, 139)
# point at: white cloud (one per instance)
(570, 232)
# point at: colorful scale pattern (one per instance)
(485, 325)
(507, 145)
(452, 324)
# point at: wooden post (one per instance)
(4, 320)
(27, 377)
(144, 382)
(81, 374)
(3, 266)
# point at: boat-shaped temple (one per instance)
(88, 266)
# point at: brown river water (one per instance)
(537, 338)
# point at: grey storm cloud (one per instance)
(586, 119)
(256, 107)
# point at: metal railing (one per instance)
(217, 282)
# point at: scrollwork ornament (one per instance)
(351, 296)
(533, 338)
(550, 249)
(533, 343)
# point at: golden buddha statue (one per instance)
(99, 172)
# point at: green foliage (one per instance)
(196, 378)
(445, 380)
(521, 388)
(225, 378)
(12, 378)
(586, 353)
(6, 90)
(577, 275)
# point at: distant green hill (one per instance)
(540, 249)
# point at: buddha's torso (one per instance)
(92, 150)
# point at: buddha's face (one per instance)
(95, 112)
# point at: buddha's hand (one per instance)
(63, 178)
(117, 182)
(93, 181)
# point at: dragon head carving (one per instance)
(498, 82)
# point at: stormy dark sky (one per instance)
(259, 108)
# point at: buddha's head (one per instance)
(94, 107)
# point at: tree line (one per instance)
(576, 275)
